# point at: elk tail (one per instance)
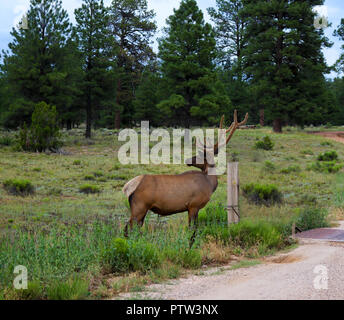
(131, 186)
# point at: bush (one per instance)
(43, 133)
(308, 199)
(76, 162)
(312, 218)
(34, 291)
(291, 169)
(191, 259)
(98, 174)
(124, 256)
(6, 141)
(262, 235)
(183, 256)
(326, 144)
(214, 213)
(265, 144)
(269, 166)
(89, 178)
(234, 156)
(328, 156)
(19, 187)
(89, 189)
(326, 167)
(73, 289)
(307, 152)
(117, 255)
(143, 256)
(262, 194)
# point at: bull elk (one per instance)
(170, 194)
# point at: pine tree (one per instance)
(149, 93)
(132, 26)
(335, 89)
(339, 32)
(37, 66)
(97, 50)
(285, 62)
(187, 52)
(230, 29)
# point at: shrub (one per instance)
(256, 233)
(73, 289)
(312, 218)
(326, 167)
(89, 189)
(43, 133)
(98, 174)
(234, 156)
(89, 178)
(291, 169)
(55, 192)
(262, 194)
(19, 187)
(307, 152)
(328, 156)
(191, 258)
(326, 144)
(265, 144)
(214, 213)
(308, 199)
(183, 256)
(6, 141)
(76, 162)
(269, 166)
(143, 256)
(124, 256)
(117, 255)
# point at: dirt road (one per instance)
(336, 136)
(287, 276)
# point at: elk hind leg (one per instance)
(138, 215)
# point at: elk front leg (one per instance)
(193, 223)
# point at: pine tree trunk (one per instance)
(88, 118)
(118, 112)
(261, 117)
(69, 125)
(277, 126)
(118, 120)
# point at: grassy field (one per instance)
(72, 243)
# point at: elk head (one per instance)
(205, 157)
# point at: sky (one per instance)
(11, 12)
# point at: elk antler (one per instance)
(233, 127)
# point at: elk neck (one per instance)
(212, 178)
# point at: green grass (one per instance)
(61, 234)
(245, 264)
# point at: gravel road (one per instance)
(287, 276)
